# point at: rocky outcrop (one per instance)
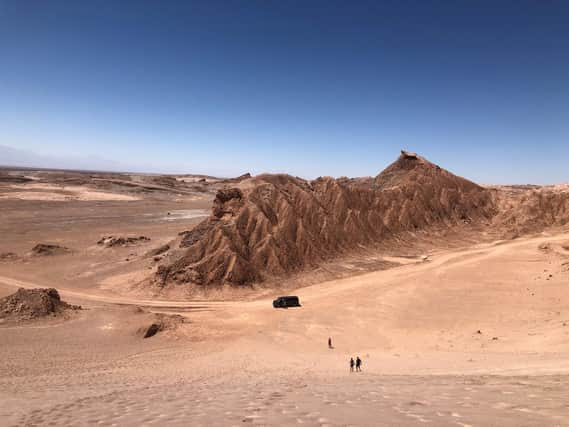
(272, 225)
(44, 249)
(114, 241)
(29, 304)
(8, 257)
(238, 179)
(159, 250)
(162, 322)
(531, 210)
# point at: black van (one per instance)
(285, 302)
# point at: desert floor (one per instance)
(473, 336)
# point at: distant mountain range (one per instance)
(23, 158)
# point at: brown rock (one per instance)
(114, 241)
(274, 225)
(159, 250)
(8, 256)
(43, 249)
(279, 224)
(162, 322)
(28, 304)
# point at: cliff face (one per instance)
(271, 225)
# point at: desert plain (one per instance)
(463, 327)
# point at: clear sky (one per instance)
(305, 87)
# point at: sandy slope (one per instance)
(414, 326)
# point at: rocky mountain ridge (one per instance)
(272, 225)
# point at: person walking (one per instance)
(358, 364)
(329, 342)
(352, 363)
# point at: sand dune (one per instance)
(415, 327)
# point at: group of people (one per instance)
(357, 363)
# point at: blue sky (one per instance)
(305, 87)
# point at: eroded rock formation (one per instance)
(272, 225)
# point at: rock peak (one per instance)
(409, 155)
